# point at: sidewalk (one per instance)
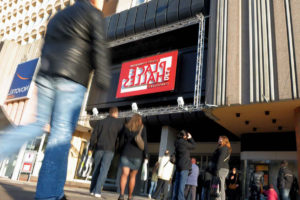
(16, 190)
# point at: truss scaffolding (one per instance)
(196, 106)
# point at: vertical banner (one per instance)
(148, 75)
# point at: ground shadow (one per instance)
(16, 192)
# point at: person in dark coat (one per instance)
(256, 184)
(220, 162)
(233, 185)
(183, 145)
(284, 181)
(102, 143)
(74, 46)
(132, 156)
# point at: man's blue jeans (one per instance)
(284, 194)
(102, 161)
(59, 102)
(179, 185)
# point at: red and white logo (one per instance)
(148, 75)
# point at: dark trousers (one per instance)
(102, 161)
(162, 186)
(190, 192)
(232, 194)
(255, 192)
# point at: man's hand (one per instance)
(90, 152)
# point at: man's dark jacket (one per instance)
(182, 152)
(285, 178)
(105, 134)
(75, 45)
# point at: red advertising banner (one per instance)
(148, 75)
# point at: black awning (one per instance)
(150, 15)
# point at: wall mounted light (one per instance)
(134, 107)
(95, 111)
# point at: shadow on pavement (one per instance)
(15, 192)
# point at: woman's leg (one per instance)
(222, 174)
(123, 180)
(151, 188)
(131, 182)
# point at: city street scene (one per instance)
(149, 99)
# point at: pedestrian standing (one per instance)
(233, 185)
(192, 181)
(256, 184)
(74, 45)
(183, 145)
(284, 181)
(165, 172)
(154, 179)
(102, 144)
(132, 155)
(220, 162)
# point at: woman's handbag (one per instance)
(139, 140)
(233, 186)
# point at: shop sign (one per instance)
(148, 75)
(28, 161)
(22, 81)
(27, 167)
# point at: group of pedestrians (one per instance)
(103, 145)
(287, 185)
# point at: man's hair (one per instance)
(284, 163)
(113, 110)
(181, 134)
(167, 152)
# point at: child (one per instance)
(271, 193)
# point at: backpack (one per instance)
(215, 187)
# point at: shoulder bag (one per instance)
(139, 140)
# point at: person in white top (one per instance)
(165, 172)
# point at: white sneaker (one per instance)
(98, 195)
(149, 196)
(92, 193)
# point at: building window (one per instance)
(137, 2)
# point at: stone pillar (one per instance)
(167, 140)
(244, 180)
(297, 131)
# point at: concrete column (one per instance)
(167, 140)
(244, 181)
(297, 131)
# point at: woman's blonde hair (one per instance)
(135, 123)
(225, 142)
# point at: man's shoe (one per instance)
(98, 195)
(121, 197)
(92, 193)
(64, 198)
